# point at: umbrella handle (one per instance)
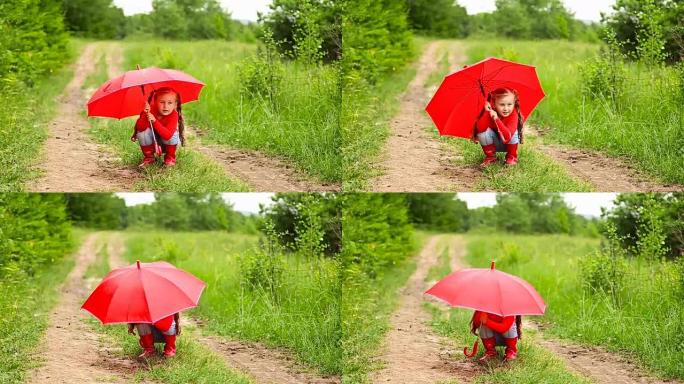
(469, 355)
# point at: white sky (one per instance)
(583, 9)
(585, 204)
(242, 202)
(240, 9)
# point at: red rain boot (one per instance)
(147, 344)
(490, 350)
(170, 156)
(148, 153)
(170, 347)
(511, 349)
(490, 155)
(511, 154)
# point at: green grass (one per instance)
(366, 113)
(366, 307)
(646, 326)
(641, 132)
(304, 317)
(100, 266)
(535, 171)
(24, 116)
(303, 127)
(25, 304)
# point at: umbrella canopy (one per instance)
(460, 98)
(143, 293)
(125, 95)
(490, 291)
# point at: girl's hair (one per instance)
(181, 122)
(500, 92)
(518, 325)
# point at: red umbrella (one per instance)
(459, 100)
(490, 291)
(125, 95)
(143, 293)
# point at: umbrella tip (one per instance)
(492, 266)
(138, 263)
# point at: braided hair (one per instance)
(179, 109)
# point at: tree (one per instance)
(634, 215)
(99, 19)
(32, 38)
(96, 210)
(290, 211)
(441, 18)
(437, 211)
(633, 22)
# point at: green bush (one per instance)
(34, 233)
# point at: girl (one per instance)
(164, 114)
(497, 330)
(500, 129)
(169, 327)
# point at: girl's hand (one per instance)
(151, 117)
(493, 114)
(131, 329)
(147, 107)
(134, 138)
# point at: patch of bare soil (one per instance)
(605, 174)
(413, 160)
(72, 162)
(413, 353)
(70, 351)
(260, 172)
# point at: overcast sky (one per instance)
(247, 9)
(242, 202)
(585, 204)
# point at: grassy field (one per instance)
(366, 307)
(641, 128)
(23, 124)
(297, 120)
(25, 304)
(301, 313)
(635, 324)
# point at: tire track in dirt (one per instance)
(595, 363)
(260, 172)
(412, 352)
(70, 349)
(264, 365)
(413, 160)
(72, 161)
(605, 174)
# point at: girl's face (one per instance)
(505, 104)
(166, 103)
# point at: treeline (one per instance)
(170, 211)
(172, 19)
(35, 231)
(517, 19)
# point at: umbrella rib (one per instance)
(171, 282)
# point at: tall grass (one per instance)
(642, 129)
(24, 114)
(646, 321)
(302, 315)
(301, 123)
